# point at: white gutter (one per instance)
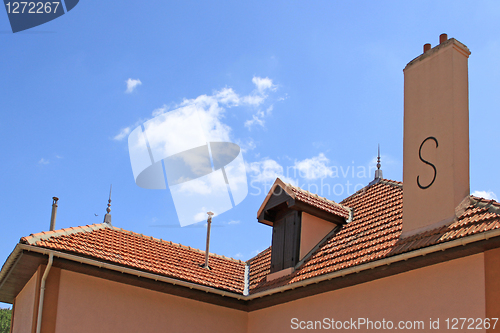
(347, 271)
(42, 293)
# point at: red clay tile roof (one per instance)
(373, 234)
(121, 247)
(480, 215)
(319, 202)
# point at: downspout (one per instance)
(247, 279)
(47, 269)
(42, 293)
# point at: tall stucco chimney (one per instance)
(436, 136)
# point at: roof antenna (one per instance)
(378, 172)
(209, 222)
(107, 217)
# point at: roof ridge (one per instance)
(382, 181)
(470, 201)
(391, 182)
(258, 254)
(186, 247)
(491, 205)
(44, 235)
(33, 238)
(317, 196)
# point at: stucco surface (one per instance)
(452, 289)
(91, 304)
(436, 129)
(24, 307)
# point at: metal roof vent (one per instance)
(53, 214)
(209, 222)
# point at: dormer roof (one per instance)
(300, 199)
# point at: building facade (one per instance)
(382, 259)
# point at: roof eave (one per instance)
(277, 182)
(16, 255)
(383, 262)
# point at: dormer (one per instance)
(300, 220)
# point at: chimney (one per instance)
(53, 214)
(436, 136)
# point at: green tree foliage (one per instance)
(5, 315)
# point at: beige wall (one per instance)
(467, 287)
(50, 299)
(25, 307)
(435, 105)
(312, 230)
(492, 280)
(90, 304)
(445, 290)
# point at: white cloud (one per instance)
(256, 252)
(314, 168)
(263, 84)
(59, 156)
(209, 110)
(233, 222)
(282, 98)
(191, 124)
(43, 161)
(228, 97)
(209, 185)
(266, 172)
(258, 96)
(485, 194)
(202, 215)
(247, 145)
(258, 118)
(160, 110)
(123, 133)
(132, 84)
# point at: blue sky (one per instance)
(322, 81)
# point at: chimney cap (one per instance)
(443, 38)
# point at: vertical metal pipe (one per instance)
(42, 293)
(209, 222)
(54, 213)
